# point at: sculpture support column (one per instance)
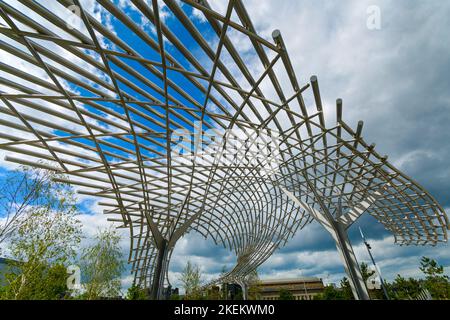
(352, 269)
(245, 291)
(158, 276)
(338, 231)
(244, 288)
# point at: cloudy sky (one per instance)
(394, 77)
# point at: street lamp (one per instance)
(383, 285)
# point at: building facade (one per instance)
(301, 289)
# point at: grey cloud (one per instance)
(396, 80)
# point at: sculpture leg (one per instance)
(339, 233)
(244, 291)
(158, 277)
(347, 254)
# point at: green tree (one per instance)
(47, 283)
(345, 293)
(175, 297)
(285, 295)
(102, 265)
(191, 279)
(331, 293)
(21, 191)
(436, 282)
(346, 289)
(366, 272)
(254, 289)
(135, 292)
(404, 289)
(43, 244)
(213, 293)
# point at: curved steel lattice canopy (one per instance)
(160, 113)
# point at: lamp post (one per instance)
(383, 285)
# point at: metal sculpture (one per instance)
(179, 130)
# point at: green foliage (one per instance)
(191, 279)
(46, 283)
(47, 237)
(346, 289)
(22, 191)
(213, 293)
(175, 297)
(254, 290)
(42, 243)
(102, 265)
(331, 293)
(285, 295)
(431, 268)
(404, 289)
(135, 292)
(366, 272)
(436, 282)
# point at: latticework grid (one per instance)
(109, 101)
